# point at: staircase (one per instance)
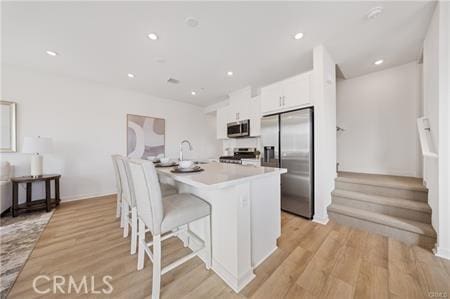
(392, 206)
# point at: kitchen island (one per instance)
(245, 215)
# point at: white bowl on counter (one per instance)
(186, 164)
(165, 160)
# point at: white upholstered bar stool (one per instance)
(126, 205)
(118, 188)
(164, 218)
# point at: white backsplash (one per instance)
(239, 142)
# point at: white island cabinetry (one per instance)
(245, 215)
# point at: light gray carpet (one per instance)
(18, 236)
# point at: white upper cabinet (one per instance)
(223, 117)
(240, 104)
(271, 97)
(297, 91)
(255, 116)
(241, 107)
(287, 94)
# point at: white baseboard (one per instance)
(236, 283)
(442, 252)
(264, 258)
(85, 196)
(322, 221)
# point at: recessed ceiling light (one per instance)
(130, 75)
(298, 36)
(173, 81)
(374, 12)
(193, 93)
(378, 62)
(191, 22)
(230, 73)
(160, 60)
(51, 53)
(153, 36)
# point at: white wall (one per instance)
(324, 98)
(443, 246)
(378, 112)
(436, 93)
(431, 110)
(87, 122)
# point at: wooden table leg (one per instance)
(47, 195)
(29, 192)
(57, 198)
(15, 199)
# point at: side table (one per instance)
(30, 205)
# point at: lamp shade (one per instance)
(33, 145)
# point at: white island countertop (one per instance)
(221, 175)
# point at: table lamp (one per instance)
(36, 146)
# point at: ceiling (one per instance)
(104, 41)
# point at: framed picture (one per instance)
(145, 136)
(8, 127)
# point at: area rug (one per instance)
(18, 236)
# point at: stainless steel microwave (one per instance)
(238, 129)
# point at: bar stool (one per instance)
(164, 218)
(118, 187)
(126, 205)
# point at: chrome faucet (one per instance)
(181, 148)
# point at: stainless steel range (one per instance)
(239, 154)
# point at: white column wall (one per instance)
(324, 98)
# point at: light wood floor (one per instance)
(313, 261)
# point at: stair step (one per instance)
(386, 220)
(390, 181)
(383, 185)
(397, 207)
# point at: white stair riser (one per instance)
(395, 233)
(382, 191)
(383, 209)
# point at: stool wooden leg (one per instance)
(118, 208)
(141, 250)
(187, 238)
(134, 230)
(125, 216)
(208, 242)
(122, 218)
(47, 195)
(156, 279)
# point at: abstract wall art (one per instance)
(145, 136)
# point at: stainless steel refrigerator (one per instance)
(288, 142)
